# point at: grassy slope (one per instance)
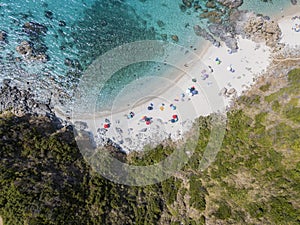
(255, 178)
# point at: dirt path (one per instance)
(285, 59)
(1, 221)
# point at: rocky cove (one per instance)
(225, 23)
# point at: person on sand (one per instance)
(218, 61)
(150, 107)
(130, 115)
(173, 107)
(182, 97)
(230, 69)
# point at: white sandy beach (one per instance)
(287, 24)
(132, 134)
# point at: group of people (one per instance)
(296, 27)
(191, 91)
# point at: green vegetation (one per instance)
(255, 178)
(265, 87)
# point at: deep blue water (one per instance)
(82, 30)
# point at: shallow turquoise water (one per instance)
(94, 27)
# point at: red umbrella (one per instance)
(174, 116)
(106, 125)
(148, 122)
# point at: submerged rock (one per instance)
(33, 28)
(160, 23)
(3, 36)
(62, 23)
(212, 16)
(188, 3)
(25, 48)
(164, 37)
(74, 63)
(175, 38)
(210, 4)
(49, 14)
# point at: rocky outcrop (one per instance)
(294, 2)
(3, 36)
(261, 29)
(26, 49)
(21, 101)
(207, 36)
(33, 28)
(231, 3)
(226, 34)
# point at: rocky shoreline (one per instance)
(258, 28)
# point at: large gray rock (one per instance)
(207, 36)
(260, 29)
(231, 3)
(226, 34)
(294, 2)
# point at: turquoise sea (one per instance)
(78, 31)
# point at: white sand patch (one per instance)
(290, 26)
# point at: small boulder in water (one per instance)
(175, 38)
(103, 23)
(25, 48)
(33, 28)
(62, 23)
(49, 15)
(187, 3)
(3, 36)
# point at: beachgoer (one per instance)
(131, 115)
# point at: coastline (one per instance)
(187, 110)
(251, 60)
